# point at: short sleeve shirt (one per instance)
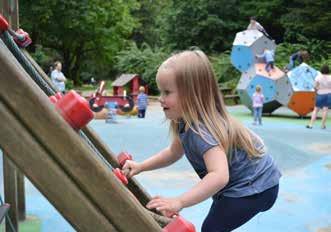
(247, 176)
(56, 79)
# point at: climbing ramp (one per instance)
(62, 165)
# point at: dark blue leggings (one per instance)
(228, 213)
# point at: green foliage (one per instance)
(210, 25)
(87, 32)
(97, 38)
(223, 68)
(317, 49)
(144, 61)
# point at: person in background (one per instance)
(323, 96)
(255, 25)
(142, 102)
(231, 161)
(300, 56)
(269, 59)
(258, 100)
(58, 77)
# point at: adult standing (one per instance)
(58, 77)
(323, 96)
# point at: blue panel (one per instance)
(242, 57)
(302, 78)
(268, 87)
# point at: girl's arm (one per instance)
(162, 159)
(216, 179)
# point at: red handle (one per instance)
(122, 157)
(4, 26)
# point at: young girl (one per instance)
(230, 160)
(258, 99)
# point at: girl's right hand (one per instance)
(131, 168)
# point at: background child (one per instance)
(258, 100)
(300, 56)
(269, 58)
(255, 25)
(142, 102)
(230, 159)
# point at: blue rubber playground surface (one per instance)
(303, 155)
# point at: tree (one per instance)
(83, 32)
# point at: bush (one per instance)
(224, 70)
(144, 61)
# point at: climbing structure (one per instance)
(294, 89)
(246, 45)
(257, 75)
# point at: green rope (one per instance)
(12, 46)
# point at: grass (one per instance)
(31, 224)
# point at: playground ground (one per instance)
(303, 155)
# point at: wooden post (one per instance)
(69, 150)
(14, 14)
(10, 189)
(21, 196)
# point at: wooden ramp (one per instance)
(58, 161)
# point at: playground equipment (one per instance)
(178, 223)
(246, 45)
(125, 103)
(296, 90)
(57, 156)
(257, 75)
(21, 37)
(293, 90)
(73, 108)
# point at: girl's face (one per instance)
(169, 97)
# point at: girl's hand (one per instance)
(167, 206)
(131, 168)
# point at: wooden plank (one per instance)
(21, 196)
(10, 189)
(133, 185)
(69, 150)
(48, 177)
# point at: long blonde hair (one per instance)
(202, 103)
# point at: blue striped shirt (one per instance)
(142, 101)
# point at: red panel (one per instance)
(302, 102)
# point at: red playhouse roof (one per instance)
(124, 79)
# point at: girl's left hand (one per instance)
(167, 206)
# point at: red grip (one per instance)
(74, 109)
(3, 23)
(122, 157)
(179, 224)
(119, 174)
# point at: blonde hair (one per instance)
(142, 89)
(258, 88)
(202, 103)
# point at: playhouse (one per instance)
(128, 84)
